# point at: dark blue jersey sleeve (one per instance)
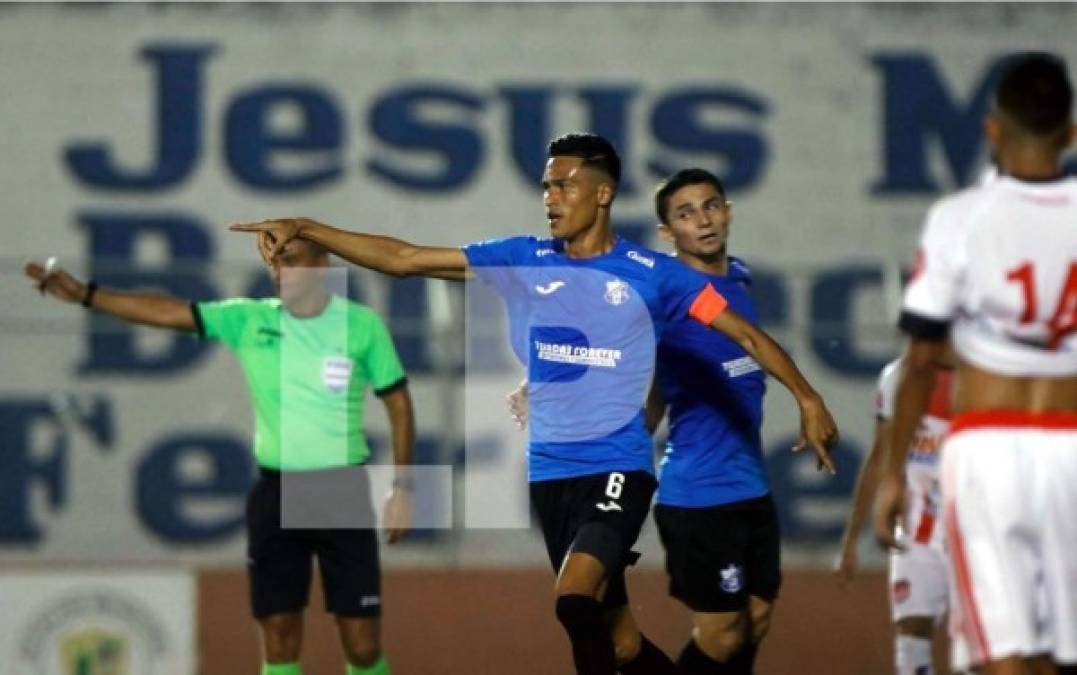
(686, 292)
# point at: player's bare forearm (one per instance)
(401, 414)
(915, 384)
(376, 252)
(866, 483)
(159, 311)
(147, 309)
(768, 353)
(817, 426)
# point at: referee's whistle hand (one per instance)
(398, 514)
(55, 281)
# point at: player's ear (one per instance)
(606, 193)
(664, 232)
(993, 130)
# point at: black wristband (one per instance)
(406, 483)
(91, 288)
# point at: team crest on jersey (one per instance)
(900, 591)
(337, 373)
(732, 579)
(616, 292)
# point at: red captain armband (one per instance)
(707, 305)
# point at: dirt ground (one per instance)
(489, 622)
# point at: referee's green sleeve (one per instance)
(382, 363)
(221, 320)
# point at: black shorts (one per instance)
(718, 556)
(599, 514)
(279, 559)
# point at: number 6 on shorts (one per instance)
(615, 485)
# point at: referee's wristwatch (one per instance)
(405, 483)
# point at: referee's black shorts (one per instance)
(279, 559)
(598, 514)
(719, 556)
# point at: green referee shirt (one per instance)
(307, 376)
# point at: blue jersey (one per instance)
(714, 390)
(587, 331)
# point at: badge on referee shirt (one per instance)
(336, 373)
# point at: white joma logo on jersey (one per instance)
(608, 506)
(550, 287)
(641, 259)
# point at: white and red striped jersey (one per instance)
(997, 264)
(922, 464)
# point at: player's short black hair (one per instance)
(683, 178)
(1034, 91)
(595, 151)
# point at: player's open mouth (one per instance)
(708, 237)
(553, 218)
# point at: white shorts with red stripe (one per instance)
(1009, 487)
(918, 581)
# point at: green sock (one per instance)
(281, 669)
(380, 667)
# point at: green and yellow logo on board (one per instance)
(96, 651)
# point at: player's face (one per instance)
(570, 192)
(698, 220)
(298, 270)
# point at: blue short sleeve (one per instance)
(680, 286)
(509, 252)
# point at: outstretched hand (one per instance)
(277, 232)
(56, 282)
(398, 515)
(846, 566)
(818, 430)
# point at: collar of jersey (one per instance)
(331, 307)
(618, 246)
(1045, 182)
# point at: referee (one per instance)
(308, 357)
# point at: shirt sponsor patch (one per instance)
(741, 366)
(576, 355)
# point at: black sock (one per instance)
(743, 660)
(592, 645)
(650, 661)
(692, 661)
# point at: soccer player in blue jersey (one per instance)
(715, 513)
(587, 310)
